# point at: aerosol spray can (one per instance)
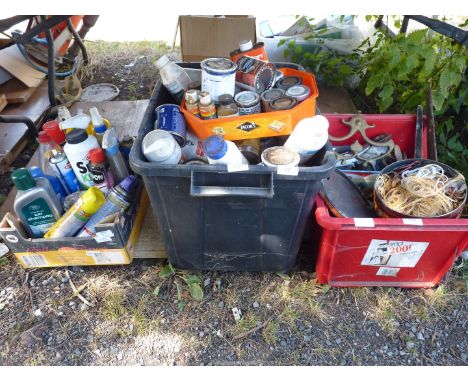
(118, 199)
(62, 167)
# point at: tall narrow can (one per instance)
(62, 167)
(171, 119)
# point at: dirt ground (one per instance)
(141, 315)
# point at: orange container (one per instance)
(259, 125)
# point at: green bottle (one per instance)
(37, 207)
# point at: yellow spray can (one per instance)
(78, 214)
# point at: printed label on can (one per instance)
(248, 126)
(385, 271)
(276, 126)
(389, 253)
(249, 110)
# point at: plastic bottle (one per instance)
(159, 146)
(77, 150)
(118, 199)
(110, 143)
(246, 48)
(100, 169)
(227, 106)
(206, 106)
(36, 207)
(46, 146)
(173, 77)
(220, 151)
(57, 187)
(98, 124)
(78, 214)
(308, 137)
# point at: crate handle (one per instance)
(198, 189)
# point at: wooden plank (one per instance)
(13, 135)
(150, 244)
(126, 116)
(17, 92)
(3, 102)
(335, 100)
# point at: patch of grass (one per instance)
(141, 322)
(113, 306)
(385, 311)
(438, 297)
(246, 323)
(420, 311)
(288, 316)
(270, 332)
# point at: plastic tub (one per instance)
(395, 252)
(239, 221)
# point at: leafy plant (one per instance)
(192, 282)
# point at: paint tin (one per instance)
(159, 146)
(218, 77)
(270, 95)
(250, 148)
(170, 119)
(288, 81)
(256, 74)
(282, 103)
(248, 102)
(299, 92)
(280, 156)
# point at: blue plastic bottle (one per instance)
(36, 172)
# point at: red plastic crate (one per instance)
(411, 253)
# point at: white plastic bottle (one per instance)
(159, 146)
(173, 77)
(308, 137)
(77, 150)
(220, 151)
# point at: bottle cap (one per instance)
(92, 200)
(97, 155)
(245, 45)
(191, 96)
(128, 184)
(225, 99)
(96, 119)
(76, 136)
(43, 137)
(52, 128)
(163, 60)
(36, 171)
(205, 98)
(215, 147)
(22, 179)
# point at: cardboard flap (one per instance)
(13, 61)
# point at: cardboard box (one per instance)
(213, 36)
(114, 243)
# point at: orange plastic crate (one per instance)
(259, 125)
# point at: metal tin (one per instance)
(299, 92)
(270, 95)
(288, 81)
(256, 74)
(250, 148)
(169, 118)
(280, 156)
(278, 75)
(193, 150)
(282, 103)
(218, 77)
(248, 102)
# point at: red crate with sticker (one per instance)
(410, 253)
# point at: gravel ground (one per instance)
(134, 315)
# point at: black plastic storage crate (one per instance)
(238, 221)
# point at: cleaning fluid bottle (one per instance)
(77, 150)
(57, 187)
(98, 124)
(308, 137)
(110, 143)
(37, 207)
(118, 199)
(78, 214)
(46, 145)
(173, 77)
(220, 151)
(102, 175)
